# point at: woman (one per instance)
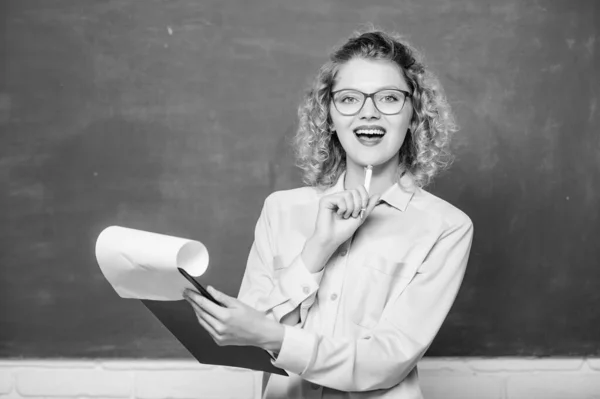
(350, 304)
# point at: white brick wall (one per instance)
(447, 378)
(510, 378)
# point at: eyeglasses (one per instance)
(350, 102)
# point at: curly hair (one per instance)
(425, 151)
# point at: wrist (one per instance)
(273, 336)
(316, 253)
(320, 240)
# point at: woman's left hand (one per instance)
(235, 323)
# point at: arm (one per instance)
(286, 295)
(408, 326)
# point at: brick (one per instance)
(554, 386)
(258, 381)
(154, 365)
(184, 384)
(6, 380)
(443, 365)
(54, 363)
(524, 364)
(65, 382)
(461, 386)
(79, 397)
(594, 363)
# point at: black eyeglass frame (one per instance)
(371, 96)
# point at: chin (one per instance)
(375, 160)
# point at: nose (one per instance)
(369, 110)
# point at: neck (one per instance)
(382, 178)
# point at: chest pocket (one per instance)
(377, 278)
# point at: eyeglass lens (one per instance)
(350, 102)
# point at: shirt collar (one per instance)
(397, 195)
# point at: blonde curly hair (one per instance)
(425, 151)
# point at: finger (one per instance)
(202, 319)
(225, 299)
(364, 197)
(337, 203)
(357, 203)
(205, 304)
(209, 329)
(342, 206)
(208, 322)
(214, 332)
(350, 204)
(372, 203)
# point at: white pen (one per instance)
(368, 173)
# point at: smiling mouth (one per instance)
(372, 132)
(369, 135)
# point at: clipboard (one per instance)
(143, 265)
(180, 319)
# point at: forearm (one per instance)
(271, 336)
(316, 253)
(292, 318)
(347, 364)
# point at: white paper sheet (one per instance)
(143, 265)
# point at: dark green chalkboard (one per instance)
(174, 117)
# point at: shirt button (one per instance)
(305, 289)
(333, 297)
(343, 253)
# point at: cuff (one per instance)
(317, 277)
(296, 284)
(297, 350)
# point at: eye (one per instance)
(390, 97)
(348, 97)
(348, 100)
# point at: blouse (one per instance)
(373, 311)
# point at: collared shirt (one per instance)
(370, 315)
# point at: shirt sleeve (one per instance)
(405, 332)
(269, 286)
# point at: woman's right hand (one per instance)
(337, 220)
(339, 215)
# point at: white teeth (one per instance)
(371, 132)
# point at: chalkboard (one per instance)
(175, 117)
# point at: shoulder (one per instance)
(289, 198)
(445, 213)
(292, 210)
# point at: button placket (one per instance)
(342, 262)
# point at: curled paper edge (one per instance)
(143, 265)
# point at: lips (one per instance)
(369, 135)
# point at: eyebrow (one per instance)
(379, 89)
